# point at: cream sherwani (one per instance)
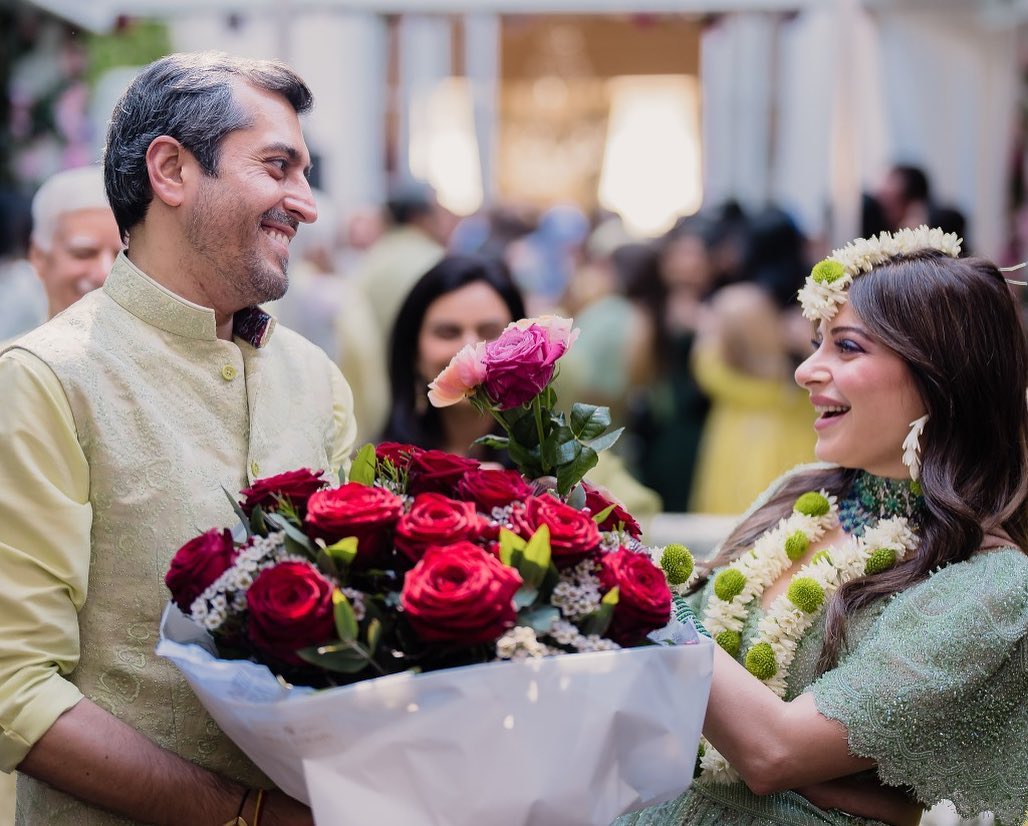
(121, 421)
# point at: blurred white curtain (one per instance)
(482, 67)
(425, 59)
(951, 92)
(737, 57)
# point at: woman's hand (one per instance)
(865, 796)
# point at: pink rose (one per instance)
(197, 564)
(519, 365)
(558, 329)
(460, 378)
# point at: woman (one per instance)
(462, 300)
(891, 626)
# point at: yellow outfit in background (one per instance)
(123, 419)
(756, 430)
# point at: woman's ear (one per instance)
(165, 159)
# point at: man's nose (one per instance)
(300, 203)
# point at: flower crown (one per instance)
(825, 289)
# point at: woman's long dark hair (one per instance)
(955, 324)
(411, 419)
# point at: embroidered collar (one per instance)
(158, 306)
(876, 497)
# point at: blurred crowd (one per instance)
(691, 338)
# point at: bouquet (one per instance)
(425, 561)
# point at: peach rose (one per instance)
(460, 378)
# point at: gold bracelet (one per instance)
(238, 819)
(257, 808)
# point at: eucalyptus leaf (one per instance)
(588, 420)
(364, 466)
(292, 532)
(238, 509)
(525, 596)
(539, 619)
(345, 658)
(576, 497)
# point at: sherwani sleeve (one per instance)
(45, 520)
(345, 430)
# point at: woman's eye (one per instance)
(847, 346)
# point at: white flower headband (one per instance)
(825, 289)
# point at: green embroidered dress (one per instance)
(933, 687)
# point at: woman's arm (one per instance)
(773, 744)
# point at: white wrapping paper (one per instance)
(573, 740)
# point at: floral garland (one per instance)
(788, 618)
(825, 288)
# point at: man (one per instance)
(75, 238)
(124, 417)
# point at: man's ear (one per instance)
(165, 162)
(37, 258)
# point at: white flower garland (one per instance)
(825, 288)
(792, 613)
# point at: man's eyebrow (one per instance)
(290, 152)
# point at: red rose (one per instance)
(519, 364)
(355, 510)
(644, 598)
(399, 454)
(493, 488)
(596, 501)
(294, 485)
(573, 533)
(197, 564)
(435, 519)
(290, 608)
(436, 471)
(460, 594)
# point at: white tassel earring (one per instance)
(912, 447)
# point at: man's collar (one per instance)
(159, 307)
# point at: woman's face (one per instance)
(864, 395)
(475, 312)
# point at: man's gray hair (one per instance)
(188, 97)
(61, 193)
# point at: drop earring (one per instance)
(912, 447)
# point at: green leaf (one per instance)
(601, 517)
(364, 466)
(525, 596)
(537, 557)
(493, 442)
(343, 552)
(346, 620)
(346, 658)
(606, 440)
(569, 475)
(539, 619)
(588, 420)
(257, 521)
(238, 509)
(509, 543)
(374, 634)
(599, 620)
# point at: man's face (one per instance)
(85, 244)
(241, 222)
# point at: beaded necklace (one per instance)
(885, 537)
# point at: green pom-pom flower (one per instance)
(796, 545)
(730, 641)
(760, 661)
(827, 271)
(677, 564)
(915, 487)
(880, 560)
(729, 584)
(805, 593)
(812, 503)
(819, 556)
(702, 750)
